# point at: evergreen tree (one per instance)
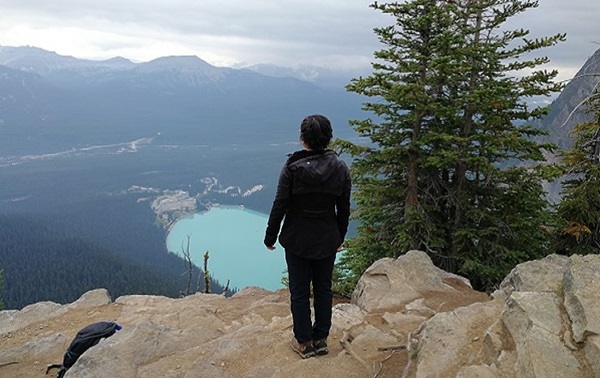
(579, 210)
(442, 170)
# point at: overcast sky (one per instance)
(333, 33)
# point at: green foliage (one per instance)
(444, 169)
(579, 211)
(343, 280)
(43, 261)
(206, 274)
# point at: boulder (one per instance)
(389, 284)
(542, 354)
(13, 320)
(535, 326)
(35, 348)
(345, 316)
(93, 298)
(582, 295)
(122, 354)
(451, 340)
(536, 276)
(525, 310)
(370, 339)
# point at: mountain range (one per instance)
(45, 97)
(40, 90)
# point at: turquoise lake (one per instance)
(234, 238)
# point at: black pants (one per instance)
(301, 272)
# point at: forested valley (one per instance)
(47, 259)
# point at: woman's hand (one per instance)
(271, 247)
(340, 247)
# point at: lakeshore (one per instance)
(233, 236)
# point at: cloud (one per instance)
(336, 33)
(229, 30)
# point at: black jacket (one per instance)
(313, 194)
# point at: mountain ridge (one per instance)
(44, 63)
(568, 110)
(178, 93)
(16, 57)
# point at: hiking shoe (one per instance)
(305, 350)
(320, 347)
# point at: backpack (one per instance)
(86, 338)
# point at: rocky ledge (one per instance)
(406, 318)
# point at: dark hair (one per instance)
(316, 132)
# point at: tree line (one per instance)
(42, 261)
(453, 165)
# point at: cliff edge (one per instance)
(406, 318)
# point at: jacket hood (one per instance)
(315, 168)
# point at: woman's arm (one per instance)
(279, 208)
(342, 206)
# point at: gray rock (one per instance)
(390, 284)
(544, 322)
(534, 323)
(403, 321)
(378, 288)
(6, 318)
(194, 313)
(11, 321)
(542, 354)
(122, 354)
(539, 275)
(265, 371)
(204, 369)
(38, 349)
(251, 291)
(366, 343)
(93, 298)
(418, 306)
(447, 335)
(345, 316)
(478, 371)
(582, 295)
(592, 354)
(524, 310)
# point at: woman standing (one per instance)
(313, 201)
